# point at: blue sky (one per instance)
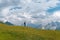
(32, 11)
(57, 8)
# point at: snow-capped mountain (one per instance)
(51, 26)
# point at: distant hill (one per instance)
(27, 33)
(7, 23)
(1, 22)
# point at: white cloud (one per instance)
(0, 1)
(5, 11)
(26, 15)
(32, 11)
(56, 14)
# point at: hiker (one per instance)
(24, 23)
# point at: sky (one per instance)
(32, 11)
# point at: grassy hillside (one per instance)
(24, 33)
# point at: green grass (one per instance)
(26, 33)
